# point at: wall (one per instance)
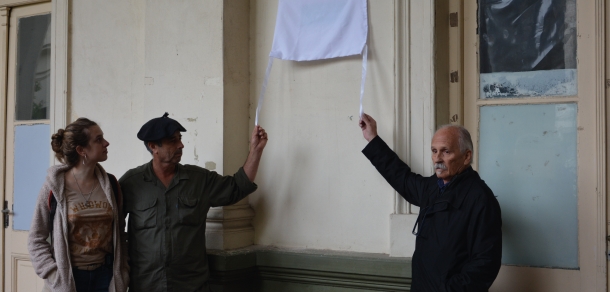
(133, 60)
(316, 189)
(268, 269)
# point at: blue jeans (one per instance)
(96, 280)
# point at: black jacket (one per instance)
(459, 247)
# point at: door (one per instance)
(27, 143)
(533, 100)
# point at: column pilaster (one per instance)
(230, 227)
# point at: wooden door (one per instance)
(27, 142)
(534, 101)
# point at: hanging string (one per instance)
(261, 97)
(365, 53)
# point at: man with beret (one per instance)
(458, 245)
(167, 203)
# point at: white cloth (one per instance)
(308, 30)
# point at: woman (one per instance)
(88, 245)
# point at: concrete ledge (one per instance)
(274, 269)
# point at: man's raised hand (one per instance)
(368, 126)
(258, 141)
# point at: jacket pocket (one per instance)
(50, 281)
(144, 215)
(188, 211)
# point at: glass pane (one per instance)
(527, 48)
(527, 156)
(33, 67)
(32, 148)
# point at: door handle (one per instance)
(5, 213)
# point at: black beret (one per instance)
(159, 128)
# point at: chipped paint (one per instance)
(192, 119)
(195, 154)
(559, 82)
(210, 165)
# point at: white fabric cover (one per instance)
(319, 29)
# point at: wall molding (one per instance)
(603, 197)
(230, 227)
(16, 258)
(414, 107)
(402, 85)
(60, 18)
(334, 279)
(274, 269)
(15, 3)
(601, 143)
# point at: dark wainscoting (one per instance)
(268, 269)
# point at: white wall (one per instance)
(133, 60)
(316, 189)
(107, 69)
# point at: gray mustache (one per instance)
(440, 165)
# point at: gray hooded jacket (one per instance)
(52, 261)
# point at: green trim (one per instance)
(272, 269)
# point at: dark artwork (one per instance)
(527, 35)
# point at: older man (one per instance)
(459, 239)
(167, 203)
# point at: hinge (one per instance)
(454, 77)
(5, 212)
(453, 19)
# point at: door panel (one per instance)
(26, 279)
(31, 162)
(554, 220)
(27, 135)
(531, 167)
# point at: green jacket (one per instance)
(166, 227)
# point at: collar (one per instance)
(56, 183)
(181, 174)
(442, 185)
(455, 191)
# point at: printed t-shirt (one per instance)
(90, 227)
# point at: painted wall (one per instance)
(316, 189)
(134, 60)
